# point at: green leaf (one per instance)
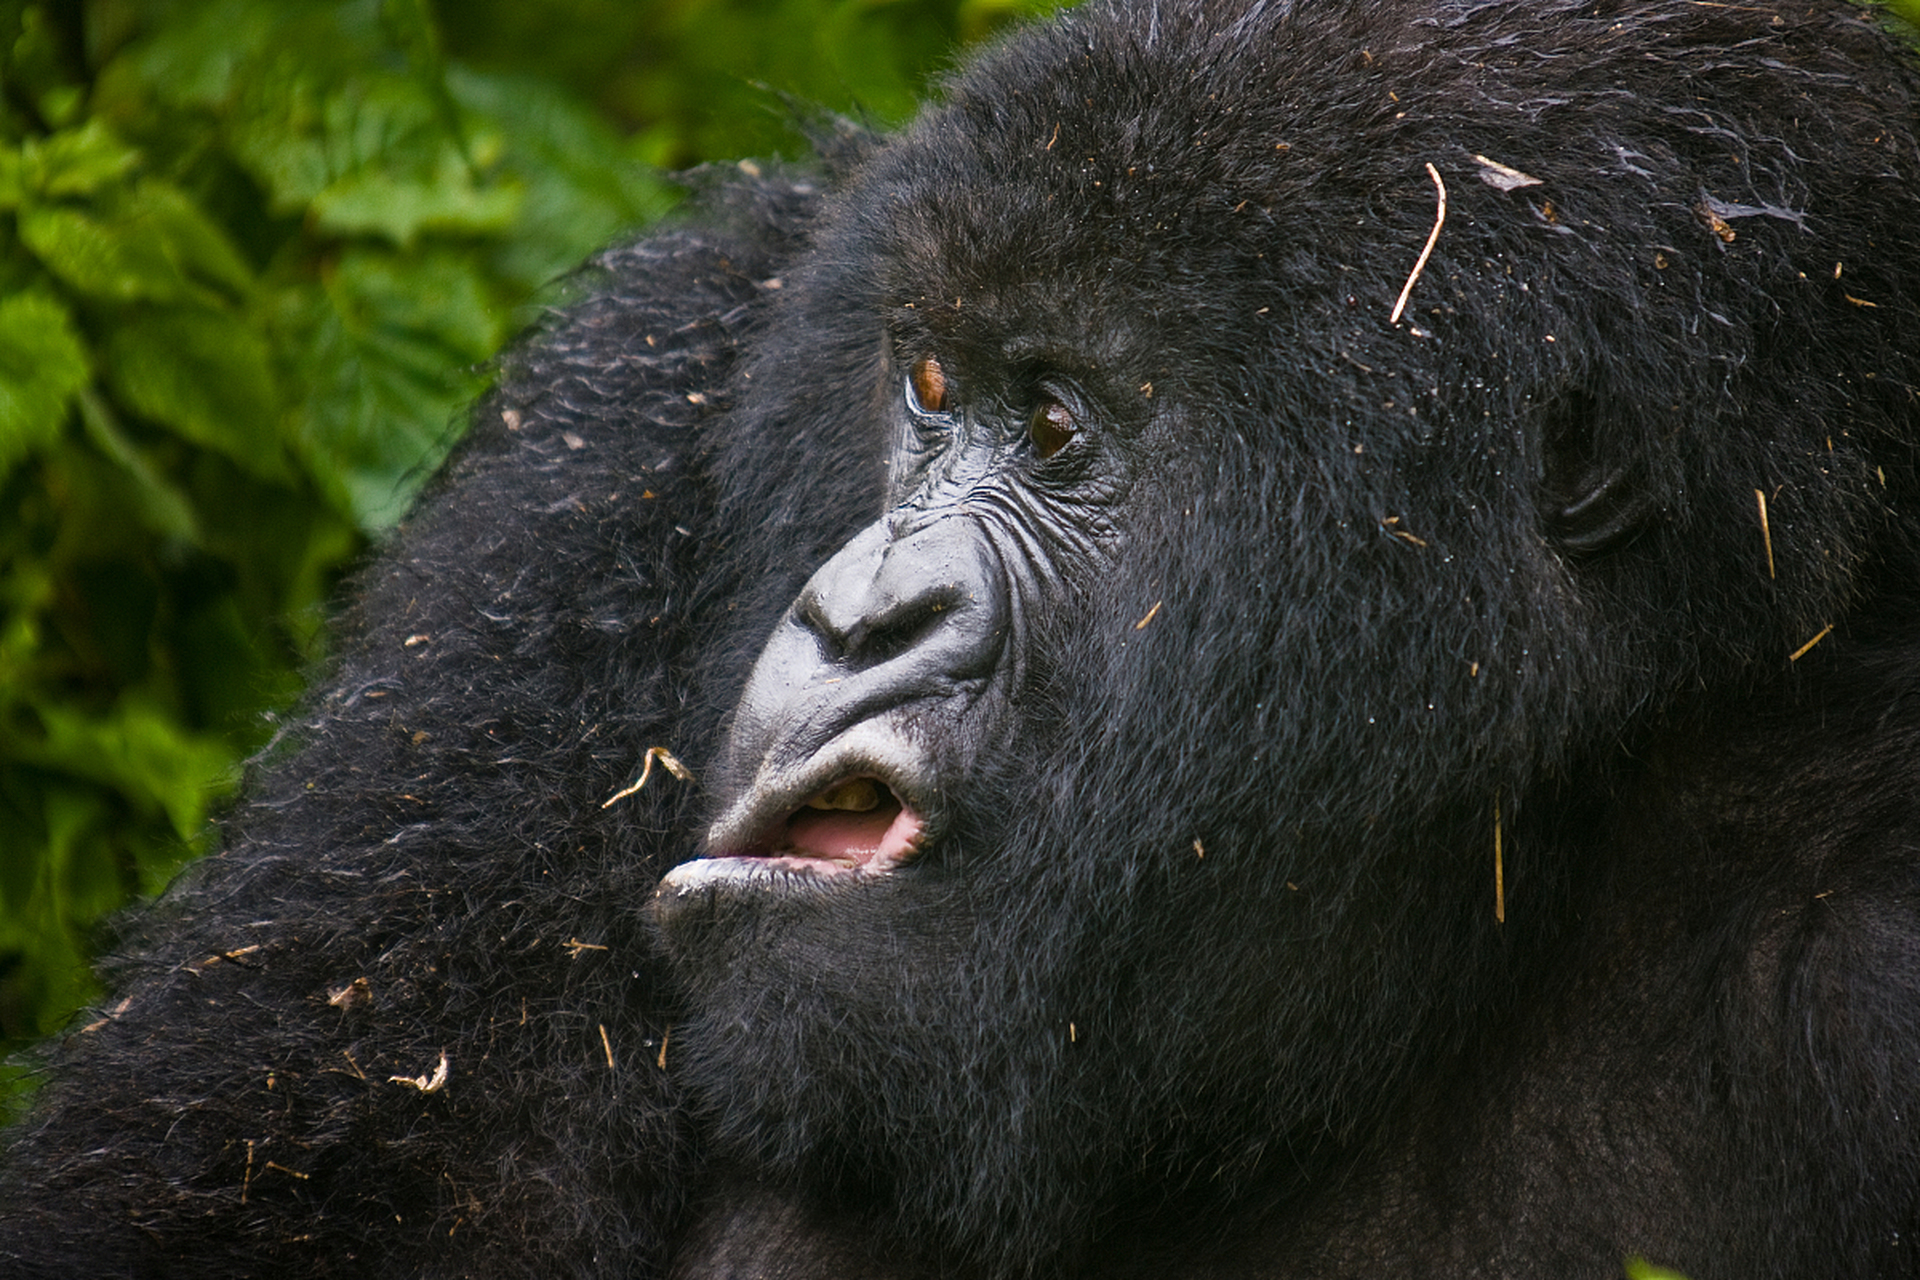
(76, 162)
(979, 19)
(583, 182)
(277, 131)
(80, 876)
(108, 260)
(151, 243)
(42, 366)
(190, 240)
(207, 375)
(400, 207)
(13, 189)
(153, 499)
(389, 354)
(139, 750)
(196, 53)
(1641, 1269)
(343, 145)
(434, 297)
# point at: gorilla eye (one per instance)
(1050, 427)
(928, 382)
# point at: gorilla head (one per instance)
(1119, 807)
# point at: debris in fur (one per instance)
(357, 992)
(1504, 177)
(427, 1084)
(1499, 868)
(1799, 653)
(1713, 222)
(1766, 531)
(667, 762)
(1433, 238)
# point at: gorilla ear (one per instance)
(1594, 490)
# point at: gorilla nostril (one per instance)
(934, 589)
(883, 630)
(896, 632)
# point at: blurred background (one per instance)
(254, 258)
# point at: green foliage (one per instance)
(1641, 1269)
(254, 257)
(687, 76)
(251, 256)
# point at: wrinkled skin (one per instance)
(1190, 775)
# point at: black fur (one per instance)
(1200, 972)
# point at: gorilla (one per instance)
(1281, 641)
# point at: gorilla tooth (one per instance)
(858, 795)
(857, 822)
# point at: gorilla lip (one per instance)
(855, 825)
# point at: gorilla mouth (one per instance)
(855, 822)
(857, 825)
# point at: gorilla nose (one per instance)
(933, 593)
(899, 623)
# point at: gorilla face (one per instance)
(900, 662)
(1124, 794)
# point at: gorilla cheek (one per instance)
(864, 711)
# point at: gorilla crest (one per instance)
(1293, 629)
